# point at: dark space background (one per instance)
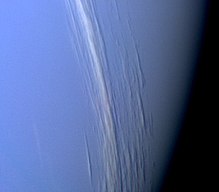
(193, 166)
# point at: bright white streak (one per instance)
(88, 158)
(123, 158)
(96, 64)
(93, 39)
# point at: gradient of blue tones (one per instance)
(39, 86)
(43, 108)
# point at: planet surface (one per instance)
(93, 92)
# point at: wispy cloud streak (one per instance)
(121, 124)
(38, 144)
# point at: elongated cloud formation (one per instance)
(38, 144)
(121, 125)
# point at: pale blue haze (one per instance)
(47, 115)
